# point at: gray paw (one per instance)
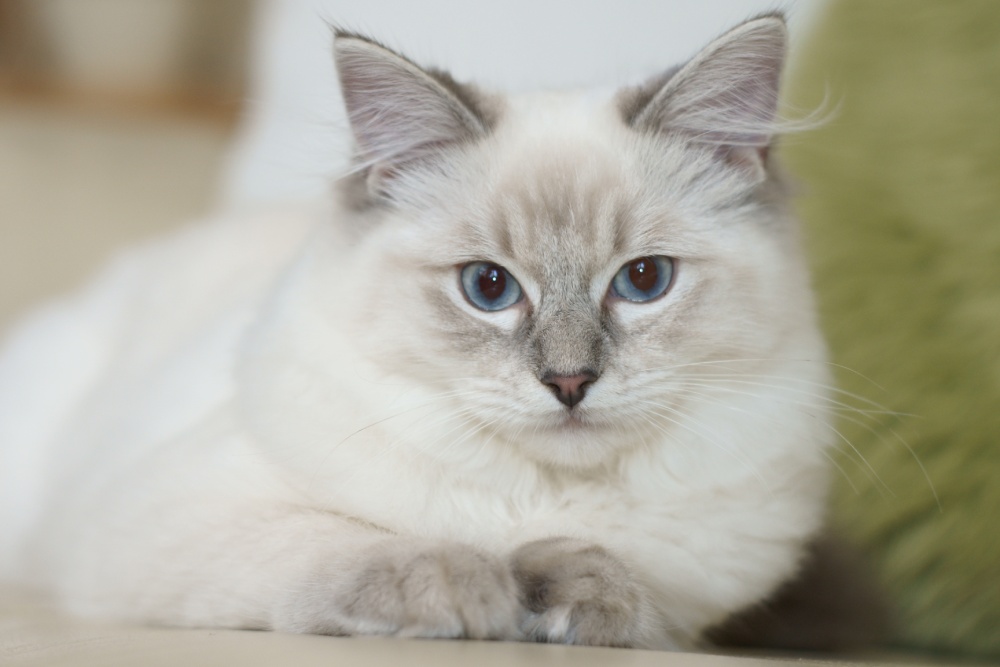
(577, 593)
(436, 590)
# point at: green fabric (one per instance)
(901, 203)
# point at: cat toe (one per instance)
(577, 593)
(444, 591)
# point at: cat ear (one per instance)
(726, 96)
(399, 112)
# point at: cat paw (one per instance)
(577, 593)
(439, 590)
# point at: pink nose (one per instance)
(570, 389)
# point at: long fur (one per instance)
(299, 422)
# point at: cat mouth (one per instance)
(574, 421)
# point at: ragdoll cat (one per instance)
(547, 369)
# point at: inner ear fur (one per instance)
(726, 96)
(400, 112)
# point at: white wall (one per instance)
(294, 139)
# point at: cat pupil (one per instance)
(643, 274)
(492, 282)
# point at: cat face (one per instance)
(572, 270)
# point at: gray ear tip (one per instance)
(773, 22)
(770, 29)
(340, 35)
(776, 18)
(338, 30)
(341, 31)
(345, 37)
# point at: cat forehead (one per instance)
(556, 154)
(561, 123)
(561, 186)
(565, 178)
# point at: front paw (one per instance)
(445, 590)
(578, 593)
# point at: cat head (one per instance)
(567, 266)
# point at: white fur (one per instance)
(225, 413)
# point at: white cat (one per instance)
(547, 369)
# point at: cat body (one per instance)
(312, 421)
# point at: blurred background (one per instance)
(115, 119)
(122, 119)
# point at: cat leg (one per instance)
(317, 573)
(218, 557)
(577, 592)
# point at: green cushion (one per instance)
(901, 203)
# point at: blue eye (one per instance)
(643, 279)
(489, 286)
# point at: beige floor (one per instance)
(76, 184)
(31, 635)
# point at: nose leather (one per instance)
(570, 389)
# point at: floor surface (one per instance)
(33, 636)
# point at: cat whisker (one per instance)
(715, 401)
(907, 447)
(742, 379)
(433, 401)
(842, 410)
(710, 440)
(412, 436)
(796, 381)
(720, 362)
(818, 404)
(672, 437)
(477, 425)
(438, 401)
(712, 362)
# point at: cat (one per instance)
(546, 368)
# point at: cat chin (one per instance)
(572, 441)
